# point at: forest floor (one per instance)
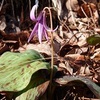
(76, 45)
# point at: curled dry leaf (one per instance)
(72, 56)
(15, 40)
(67, 48)
(96, 55)
(66, 67)
(84, 71)
(3, 48)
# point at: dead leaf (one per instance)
(3, 48)
(96, 55)
(66, 48)
(88, 10)
(44, 47)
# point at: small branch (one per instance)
(1, 4)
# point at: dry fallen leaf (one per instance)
(44, 47)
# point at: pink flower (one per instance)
(40, 27)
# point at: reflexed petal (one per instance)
(40, 31)
(40, 16)
(32, 13)
(45, 25)
(49, 29)
(33, 32)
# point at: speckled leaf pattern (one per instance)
(16, 69)
(92, 86)
(37, 87)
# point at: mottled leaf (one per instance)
(92, 86)
(16, 69)
(94, 39)
(35, 89)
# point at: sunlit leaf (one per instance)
(94, 39)
(92, 86)
(16, 69)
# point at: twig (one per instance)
(66, 27)
(1, 4)
(73, 19)
(91, 13)
(84, 2)
(29, 5)
(85, 15)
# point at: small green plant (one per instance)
(94, 39)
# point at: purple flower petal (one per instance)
(40, 31)
(40, 16)
(32, 13)
(41, 27)
(33, 32)
(45, 25)
(45, 34)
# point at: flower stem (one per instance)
(52, 48)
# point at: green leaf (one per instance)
(16, 69)
(94, 39)
(92, 86)
(35, 89)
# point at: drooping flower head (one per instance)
(40, 27)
